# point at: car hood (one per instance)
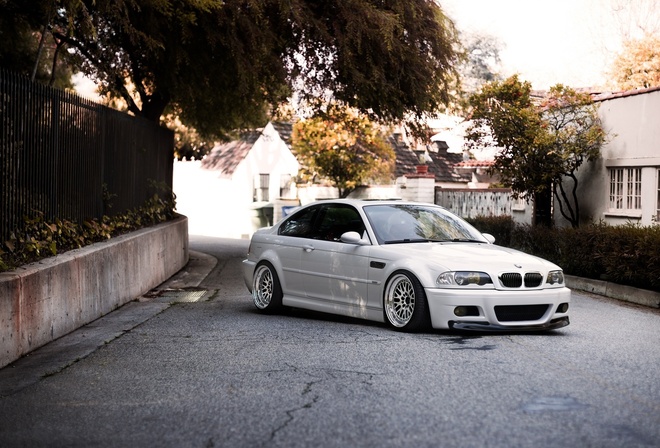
(470, 256)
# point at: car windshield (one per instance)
(405, 223)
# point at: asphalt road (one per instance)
(214, 373)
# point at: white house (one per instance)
(233, 188)
(624, 185)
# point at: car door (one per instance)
(293, 235)
(335, 273)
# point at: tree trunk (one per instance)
(543, 208)
(155, 105)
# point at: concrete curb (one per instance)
(192, 274)
(615, 291)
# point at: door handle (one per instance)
(308, 248)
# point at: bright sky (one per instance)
(571, 42)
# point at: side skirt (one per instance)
(332, 307)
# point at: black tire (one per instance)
(266, 289)
(404, 303)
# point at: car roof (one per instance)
(366, 202)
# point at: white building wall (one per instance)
(269, 155)
(633, 124)
(215, 206)
(223, 207)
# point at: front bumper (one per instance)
(483, 306)
(487, 327)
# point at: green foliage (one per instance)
(344, 147)
(629, 255)
(501, 227)
(537, 240)
(625, 254)
(39, 238)
(575, 135)
(576, 252)
(222, 65)
(542, 145)
(504, 116)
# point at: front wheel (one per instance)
(266, 289)
(405, 303)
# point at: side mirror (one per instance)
(490, 238)
(352, 238)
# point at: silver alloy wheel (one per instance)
(400, 300)
(262, 287)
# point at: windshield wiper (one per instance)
(415, 240)
(465, 240)
(431, 240)
(407, 240)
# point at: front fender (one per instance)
(425, 273)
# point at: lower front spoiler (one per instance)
(484, 326)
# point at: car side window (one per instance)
(335, 220)
(300, 223)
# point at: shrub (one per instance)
(501, 227)
(626, 254)
(630, 255)
(538, 240)
(578, 249)
(39, 238)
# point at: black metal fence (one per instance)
(68, 157)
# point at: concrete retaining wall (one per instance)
(43, 301)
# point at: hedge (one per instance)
(625, 254)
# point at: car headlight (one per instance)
(555, 278)
(463, 278)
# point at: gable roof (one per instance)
(225, 157)
(284, 129)
(441, 164)
(406, 159)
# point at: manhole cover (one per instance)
(181, 296)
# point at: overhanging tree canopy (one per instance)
(23, 51)
(220, 65)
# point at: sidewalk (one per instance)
(63, 352)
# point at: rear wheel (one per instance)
(266, 289)
(405, 303)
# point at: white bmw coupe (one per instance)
(411, 265)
